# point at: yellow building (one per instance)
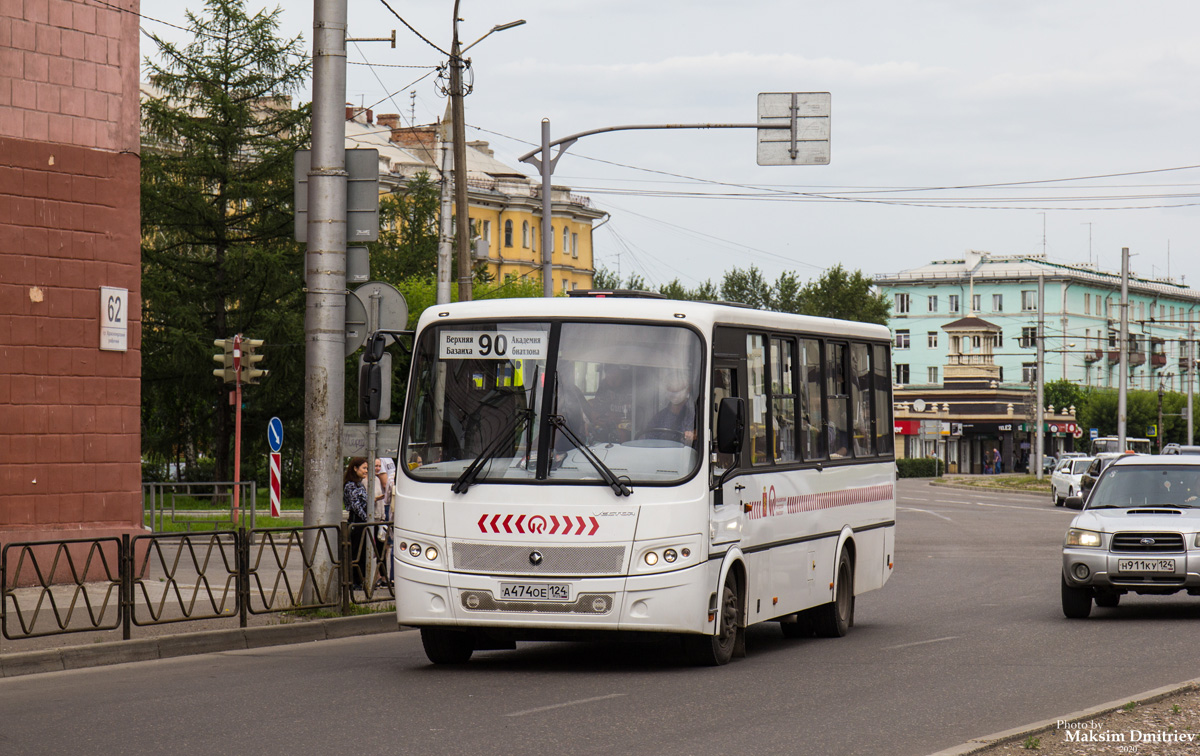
(505, 204)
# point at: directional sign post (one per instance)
(275, 439)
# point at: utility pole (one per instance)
(1123, 347)
(462, 209)
(1038, 420)
(547, 167)
(325, 281)
(445, 241)
(1190, 376)
(1159, 429)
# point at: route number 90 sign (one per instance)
(493, 345)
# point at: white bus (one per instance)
(629, 465)
(1106, 444)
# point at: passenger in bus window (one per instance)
(676, 421)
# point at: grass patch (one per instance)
(200, 524)
(356, 610)
(1004, 482)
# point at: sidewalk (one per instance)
(55, 653)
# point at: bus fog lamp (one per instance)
(414, 550)
(431, 553)
(651, 558)
(1081, 571)
(670, 555)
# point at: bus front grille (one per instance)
(588, 603)
(505, 559)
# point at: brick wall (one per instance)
(69, 224)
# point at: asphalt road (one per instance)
(966, 639)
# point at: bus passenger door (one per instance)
(729, 517)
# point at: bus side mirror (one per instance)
(731, 425)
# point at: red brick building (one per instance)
(69, 225)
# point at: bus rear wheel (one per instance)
(833, 620)
(715, 650)
(444, 646)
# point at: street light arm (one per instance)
(494, 29)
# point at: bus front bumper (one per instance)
(667, 602)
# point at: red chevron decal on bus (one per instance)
(492, 523)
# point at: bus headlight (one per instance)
(414, 550)
(431, 553)
(667, 554)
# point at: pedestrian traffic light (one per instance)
(227, 372)
(249, 361)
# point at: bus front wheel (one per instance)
(715, 650)
(833, 620)
(444, 646)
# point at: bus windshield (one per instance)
(513, 402)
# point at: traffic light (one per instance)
(250, 360)
(227, 372)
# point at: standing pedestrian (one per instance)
(354, 498)
(997, 463)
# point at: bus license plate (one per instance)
(1146, 565)
(535, 591)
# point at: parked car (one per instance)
(1140, 520)
(1180, 449)
(1066, 482)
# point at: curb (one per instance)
(191, 644)
(976, 745)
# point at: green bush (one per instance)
(920, 468)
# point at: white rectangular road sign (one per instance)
(800, 130)
(354, 440)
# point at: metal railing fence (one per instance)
(161, 501)
(84, 585)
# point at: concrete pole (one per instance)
(462, 208)
(1191, 378)
(325, 279)
(547, 230)
(1039, 420)
(445, 241)
(1123, 351)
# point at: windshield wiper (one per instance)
(618, 486)
(472, 472)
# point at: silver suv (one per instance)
(1139, 532)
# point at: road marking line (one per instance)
(924, 511)
(565, 704)
(921, 643)
(1055, 510)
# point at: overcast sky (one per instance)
(926, 94)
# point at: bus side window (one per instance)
(860, 400)
(883, 402)
(812, 440)
(837, 393)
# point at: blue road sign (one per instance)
(275, 434)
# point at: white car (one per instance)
(1066, 480)
(1139, 532)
